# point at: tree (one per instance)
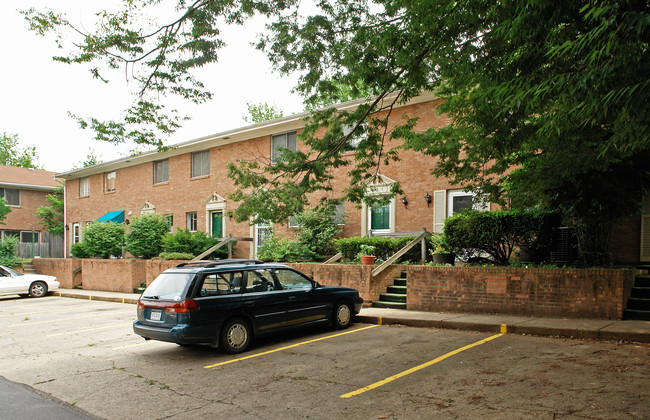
(52, 216)
(145, 239)
(548, 100)
(12, 155)
(261, 112)
(4, 210)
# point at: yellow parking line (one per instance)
(89, 329)
(239, 359)
(416, 368)
(49, 321)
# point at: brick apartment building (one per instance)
(189, 185)
(25, 191)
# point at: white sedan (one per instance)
(34, 285)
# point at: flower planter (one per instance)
(368, 259)
(447, 259)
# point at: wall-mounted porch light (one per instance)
(427, 197)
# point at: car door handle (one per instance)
(249, 304)
(292, 298)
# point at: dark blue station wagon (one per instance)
(225, 303)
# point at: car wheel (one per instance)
(38, 289)
(235, 336)
(342, 316)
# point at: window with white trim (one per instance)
(169, 219)
(282, 141)
(354, 140)
(191, 221)
(109, 181)
(76, 233)
(161, 171)
(448, 202)
(201, 163)
(11, 195)
(84, 186)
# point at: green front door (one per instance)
(217, 224)
(380, 218)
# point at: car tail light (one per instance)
(186, 306)
(141, 306)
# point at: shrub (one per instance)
(194, 243)
(279, 249)
(384, 248)
(317, 231)
(8, 254)
(145, 239)
(176, 256)
(102, 240)
(78, 250)
(496, 233)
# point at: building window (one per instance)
(161, 171)
(380, 218)
(11, 195)
(191, 221)
(339, 214)
(10, 234)
(109, 181)
(169, 219)
(356, 138)
(200, 163)
(84, 187)
(76, 233)
(280, 142)
(29, 236)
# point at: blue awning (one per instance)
(113, 216)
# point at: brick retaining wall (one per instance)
(573, 293)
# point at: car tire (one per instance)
(342, 315)
(235, 336)
(38, 289)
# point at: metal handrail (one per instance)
(229, 240)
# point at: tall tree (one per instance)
(52, 216)
(548, 100)
(261, 112)
(11, 154)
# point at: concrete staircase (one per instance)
(395, 296)
(28, 268)
(638, 305)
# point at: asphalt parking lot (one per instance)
(86, 354)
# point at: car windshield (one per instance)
(12, 272)
(169, 286)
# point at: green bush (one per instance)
(102, 240)
(176, 256)
(284, 250)
(145, 239)
(194, 243)
(8, 254)
(497, 233)
(384, 248)
(78, 250)
(317, 230)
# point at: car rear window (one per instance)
(169, 286)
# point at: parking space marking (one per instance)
(71, 308)
(133, 345)
(90, 329)
(420, 367)
(49, 321)
(239, 359)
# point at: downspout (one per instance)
(65, 220)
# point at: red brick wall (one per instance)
(24, 217)
(61, 268)
(572, 293)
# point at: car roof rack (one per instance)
(216, 263)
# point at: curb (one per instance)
(510, 329)
(100, 298)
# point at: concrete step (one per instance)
(389, 305)
(640, 292)
(638, 304)
(399, 282)
(642, 281)
(392, 297)
(399, 290)
(636, 314)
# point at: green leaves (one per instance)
(52, 216)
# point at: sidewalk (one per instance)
(601, 329)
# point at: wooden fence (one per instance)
(50, 247)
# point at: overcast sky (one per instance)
(38, 93)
